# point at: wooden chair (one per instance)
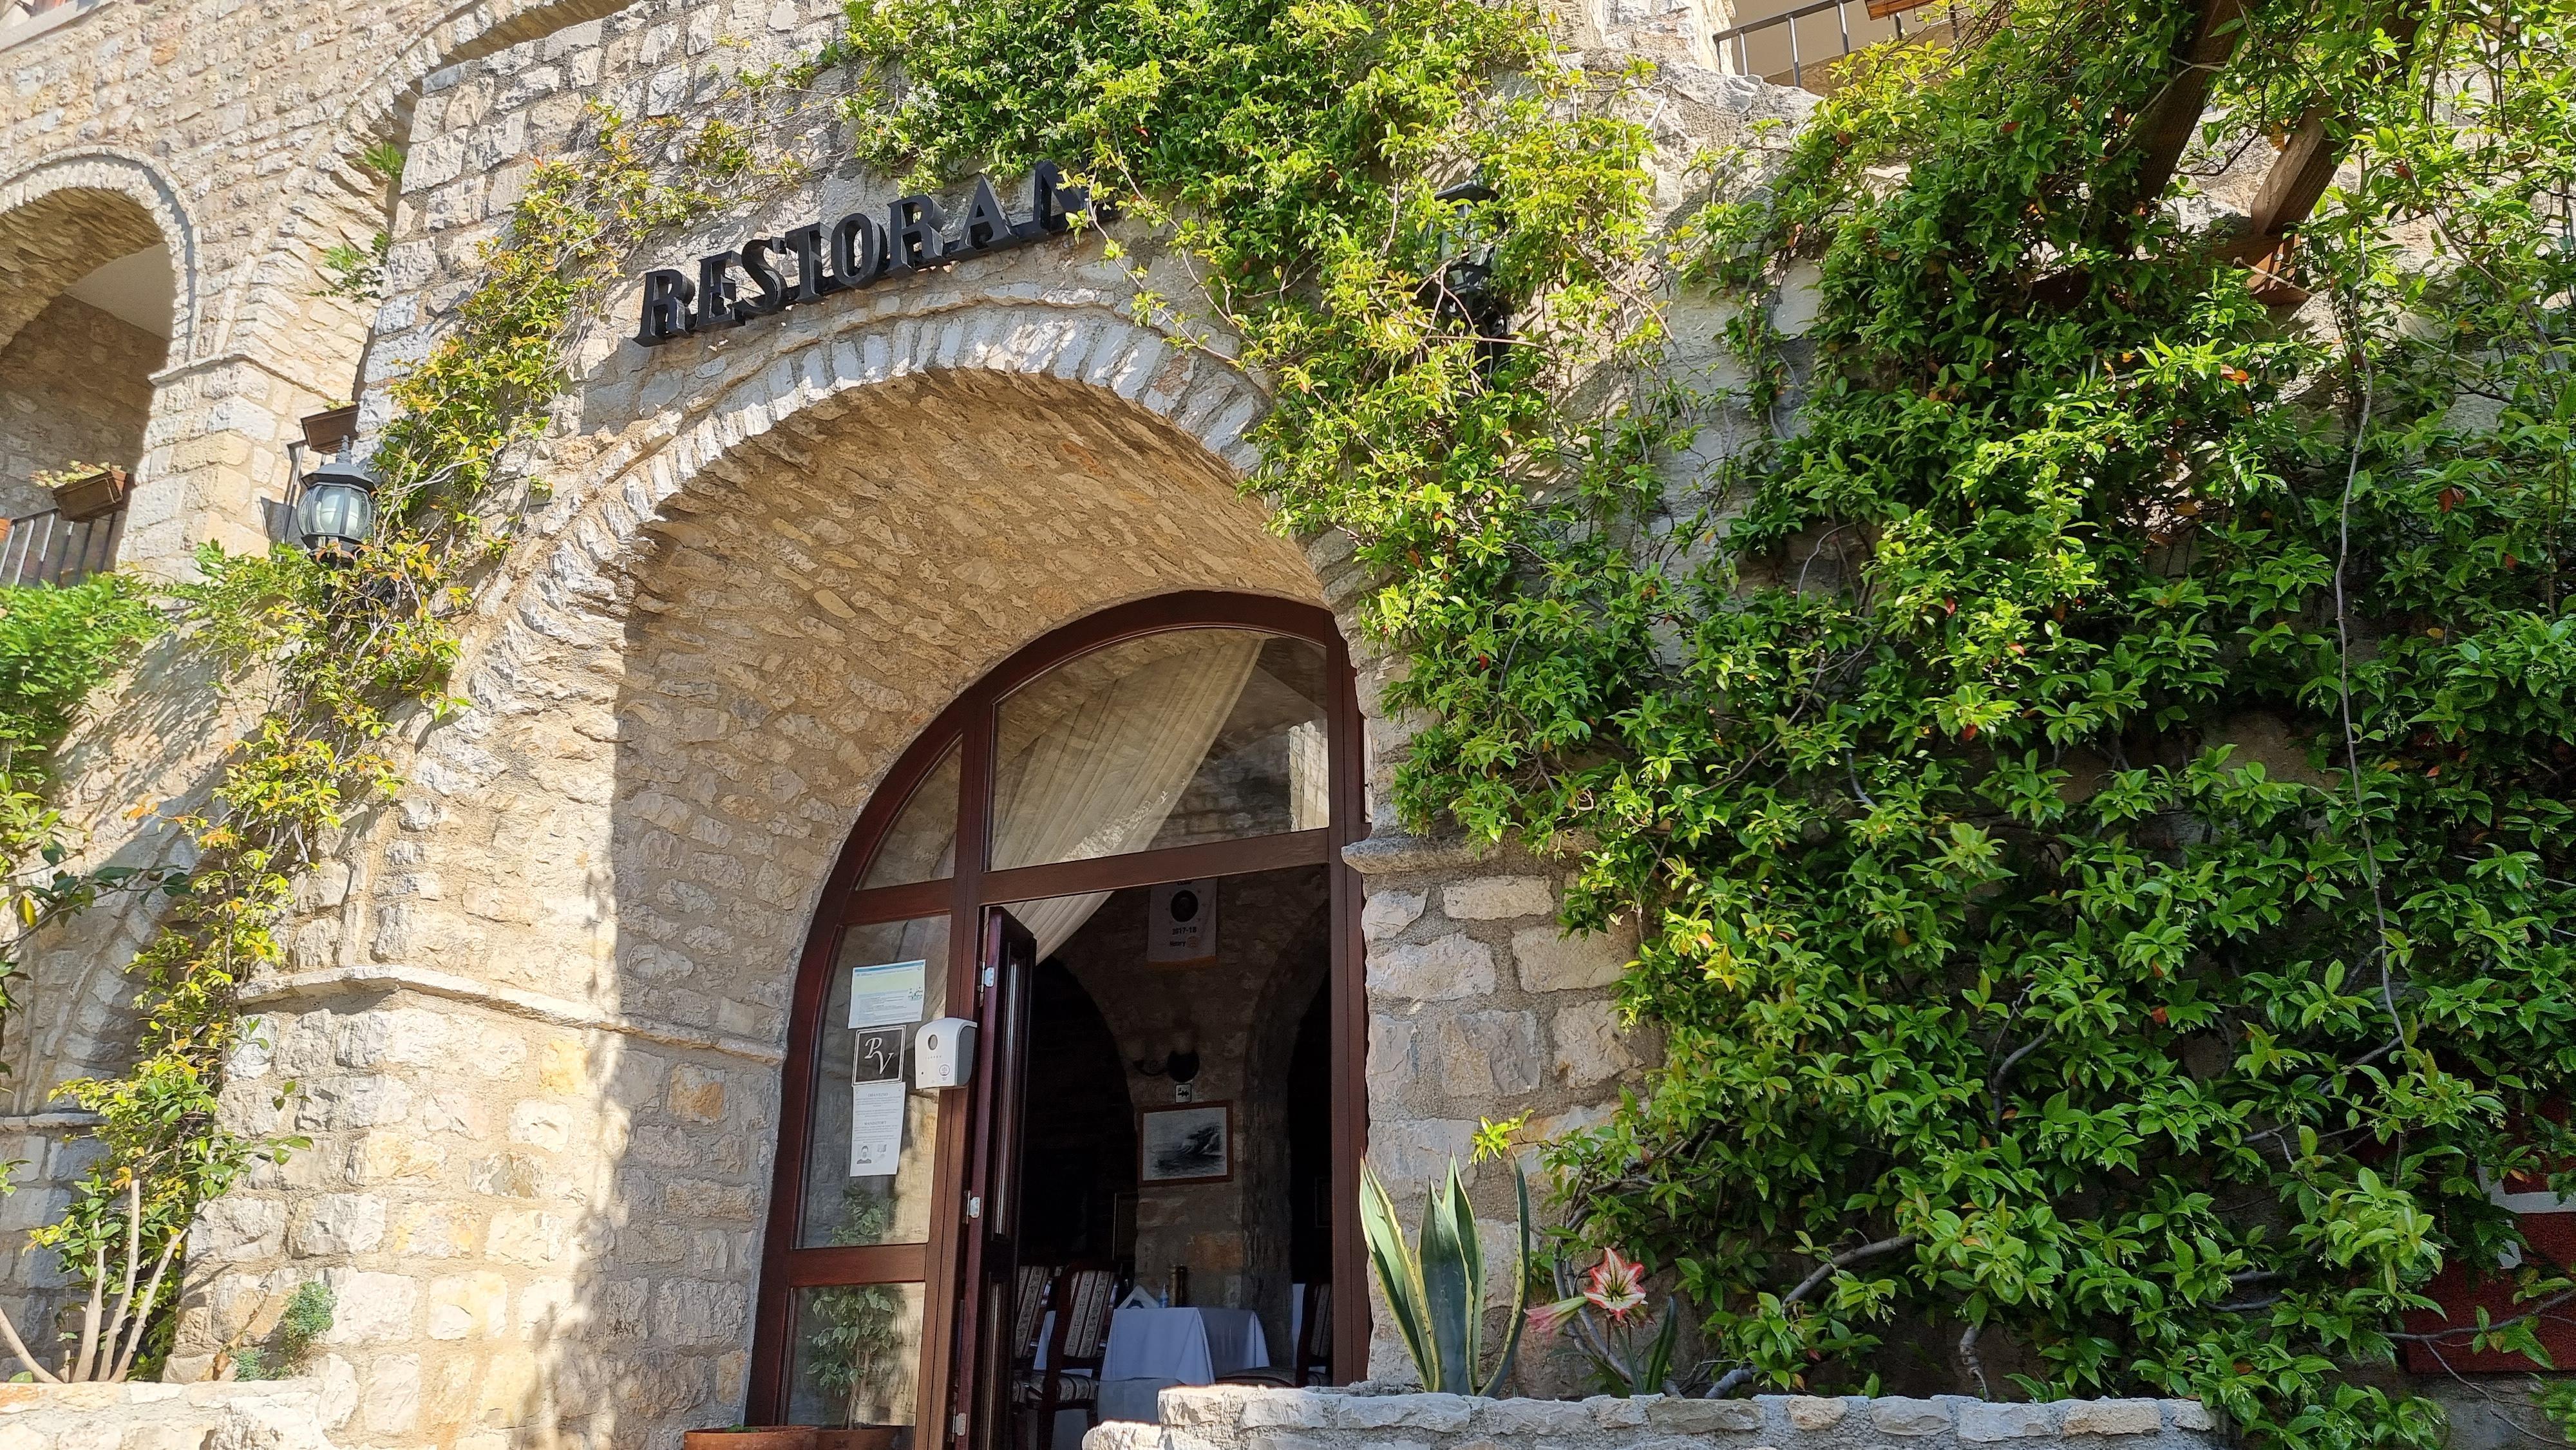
(1314, 1362)
(1028, 1310)
(1311, 1362)
(1083, 1296)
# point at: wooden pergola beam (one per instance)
(2163, 131)
(2302, 172)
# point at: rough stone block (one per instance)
(1389, 912)
(1492, 897)
(1703, 1417)
(1549, 1422)
(2191, 1415)
(1489, 1055)
(1813, 1412)
(1613, 1412)
(1287, 1409)
(1443, 969)
(1440, 1413)
(1900, 1416)
(1590, 1047)
(1985, 1422)
(2112, 1417)
(1550, 961)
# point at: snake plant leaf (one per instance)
(1398, 1276)
(1453, 1284)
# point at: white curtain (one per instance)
(1110, 758)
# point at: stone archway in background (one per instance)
(96, 279)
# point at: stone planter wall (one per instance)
(269, 1415)
(1231, 1417)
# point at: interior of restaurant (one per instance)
(1175, 1160)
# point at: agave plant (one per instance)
(1437, 1294)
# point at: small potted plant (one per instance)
(325, 431)
(84, 491)
(752, 1437)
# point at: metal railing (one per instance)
(42, 548)
(1741, 37)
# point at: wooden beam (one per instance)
(2163, 131)
(2304, 169)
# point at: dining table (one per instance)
(1152, 1348)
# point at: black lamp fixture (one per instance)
(1180, 1063)
(335, 505)
(1462, 291)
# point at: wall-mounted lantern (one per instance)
(1463, 291)
(335, 505)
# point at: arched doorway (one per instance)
(1191, 738)
(80, 343)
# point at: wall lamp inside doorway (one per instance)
(1180, 1063)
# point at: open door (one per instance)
(989, 1263)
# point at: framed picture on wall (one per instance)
(1189, 1144)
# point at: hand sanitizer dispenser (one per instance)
(943, 1053)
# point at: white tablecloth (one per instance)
(1152, 1349)
(1184, 1346)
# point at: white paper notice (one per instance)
(887, 996)
(876, 1128)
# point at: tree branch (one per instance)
(1736, 1377)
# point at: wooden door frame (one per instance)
(965, 896)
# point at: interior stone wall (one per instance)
(1274, 953)
(75, 384)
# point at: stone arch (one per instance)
(544, 1025)
(67, 214)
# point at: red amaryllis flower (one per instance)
(1616, 1285)
(1546, 1318)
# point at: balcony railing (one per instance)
(1763, 40)
(45, 549)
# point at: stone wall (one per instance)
(269, 1415)
(75, 384)
(1226, 1417)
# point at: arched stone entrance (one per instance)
(538, 1029)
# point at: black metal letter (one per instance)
(715, 294)
(987, 224)
(811, 280)
(666, 306)
(858, 251)
(1055, 203)
(773, 291)
(913, 239)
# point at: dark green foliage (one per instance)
(55, 646)
(2097, 793)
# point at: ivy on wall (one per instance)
(2096, 790)
(340, 656)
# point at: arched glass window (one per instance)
(1180, 738)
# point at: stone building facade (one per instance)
(536, 1016)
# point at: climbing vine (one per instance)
(336, 657)
(2093, 781)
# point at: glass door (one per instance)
(1188, 736)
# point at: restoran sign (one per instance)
(848, 254)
